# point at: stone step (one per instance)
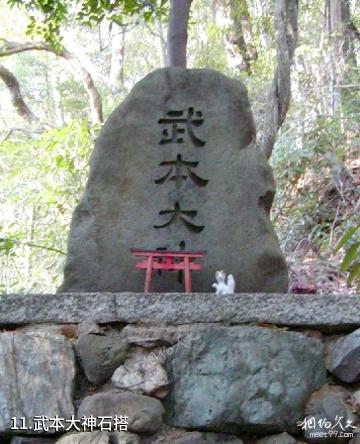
(329, 313)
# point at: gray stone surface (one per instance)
(279, 438)
(334, 312)
(144, 413)
(87, 327)
(122, 202)
(24, 440)
(207, 438)
(142, 372)
(235, 379)
(36, 377)
(330, 403)
(95, 437)
(343, 358)
(355, 398)
(154, 336)
(124, 438)
(100, 355)
(61, 308)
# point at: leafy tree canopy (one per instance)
(46, 17)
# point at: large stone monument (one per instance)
(175, 168)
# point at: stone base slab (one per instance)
(325, 312)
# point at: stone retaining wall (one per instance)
(188, 369)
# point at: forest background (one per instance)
(55, 94)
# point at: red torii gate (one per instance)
(168, 260)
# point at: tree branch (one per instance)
(278, 100)
(8, 48)
(17, 100)
(30, 244)
(26, 131)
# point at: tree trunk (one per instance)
(177, 32)
(343, 40)
(89, 85)
(278, 100)
(17, 100)
(116, 75)
(239, 14)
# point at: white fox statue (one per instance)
(223, 285)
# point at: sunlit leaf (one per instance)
(354, 273)
(349, 256)
(346, 237)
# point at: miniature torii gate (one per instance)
(168, 260)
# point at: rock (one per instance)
(355, 439)
(124, 438)
(23, 440)
(330, 312)
(146, 163)
(154, 336)
(330, 403)
(85, 438)
(355, 398)
(344, 358)
(313, 334)
(144, 413)
(26, 309)
(100, 438)
(234, 379)
(37, 373)
(142, 373)
(149, 337)
(100, 355)
(44, 328)
(207, 438)
(68, 330)
(87, 327)
(280, 438)
(165, 435)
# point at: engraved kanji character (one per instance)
(176, 118)
(179, 213)
(179, 165)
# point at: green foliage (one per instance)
(41, 183)
(7, 246)
(315, 193)
(53, 15)
(351, 260)
(94, 11)
(46, 17)
(212, 54)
